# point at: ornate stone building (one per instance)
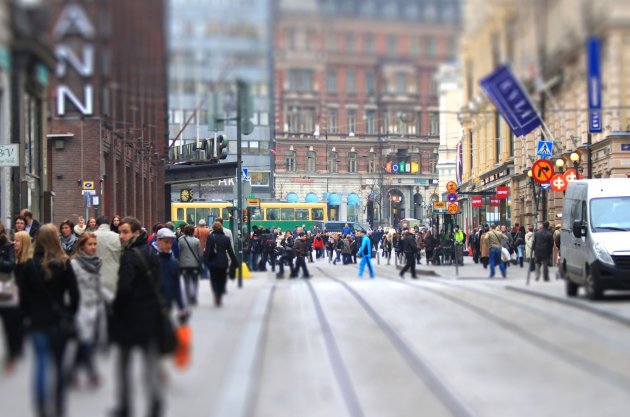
(356, 104)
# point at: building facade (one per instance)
(356, 104)
(213, 44)
(107, 133)
(551, 62)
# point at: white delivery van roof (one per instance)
(605, 187)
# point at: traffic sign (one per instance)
(558, 183)
(451, 187)
(572, 175)
(88, 185)
(542, 171)
(439, 206)
(453, 208)
(452, 197)
(545, 186)
(253, 202)
(544, 149)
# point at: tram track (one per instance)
(610, 377)
(419, 366)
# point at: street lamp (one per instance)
(536, 194)
(560, 164)
(575, 158)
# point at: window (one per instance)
(301, 80)
(331, 81)
(352, 162)
(180, 213)
(332, 120)
(434, 124)
(287, 214)
(352, 121)
(300, 119)
(259, 179)
(401, 83)
(333, 163)
(371, 163)
(273, 214)
(415, 46)
(290, 161)
(369, 43)
(495, 41)
(317, 214)
(311, 158)
(431, 46)
(351, 82)
(369, 122)
(391, 45)
(369, 83)
(301, 214)
(350, 43)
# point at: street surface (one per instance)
(337, 345)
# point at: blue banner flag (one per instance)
(593, 46)
(511, 100)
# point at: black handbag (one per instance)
(166, 337)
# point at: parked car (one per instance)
(337, 227)
(595, 236)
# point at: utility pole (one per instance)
(239, 179)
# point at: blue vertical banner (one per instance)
(594, 84)
(511, 100)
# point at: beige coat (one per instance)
(108, 249)
(483, 244)
(529, 241)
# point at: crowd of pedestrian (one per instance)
(75, 290)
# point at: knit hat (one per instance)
(202, 222)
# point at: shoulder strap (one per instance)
(152, 282)
(192, 251)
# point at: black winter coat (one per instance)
(7, 257)
(45, 301)
(409, 244)
(218, 242)
(137, 307)
(542, 245)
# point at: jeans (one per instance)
(191, 284)
(495, 258)
(300, 262)
(365, 260)
(152, 385)
(545, 268)
(255, 257)
(520, 249)
(49, 346)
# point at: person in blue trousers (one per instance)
(366, 255)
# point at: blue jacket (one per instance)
(169, 279)
(366, 247)
(346, 230)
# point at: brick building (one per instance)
(107, 132)
(356, 104)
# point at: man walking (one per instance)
(410, 248)
(300, 250)
(495, 243)
(459, 237)
(108, 250)
(543, 248)
(137, 314)
(366, 254)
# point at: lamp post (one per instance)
(575, 158)
(560, 164)
(536, 194)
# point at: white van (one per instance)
(595, 236)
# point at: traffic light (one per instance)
(221, 148)
(246, 107)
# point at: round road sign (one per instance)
(453, 208)
(558, 183)
(451, 187)
(572, 175)
(542, 171)
(452, 197)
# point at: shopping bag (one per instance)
(182, 354)
(505, 255)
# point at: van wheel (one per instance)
(571, 288)
(593, 291)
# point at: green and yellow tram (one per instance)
(286, 216)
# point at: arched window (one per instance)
(311, 158)
(290, 164)
(352, 162)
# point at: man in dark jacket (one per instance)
(169, 270)
(219, 255)
(410, 248)
(543, 248)
(300, 252)
(137, 314)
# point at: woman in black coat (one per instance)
(218, 249)
(9, 307)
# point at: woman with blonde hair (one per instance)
(9, 307)
(87, 268)
(49, 298)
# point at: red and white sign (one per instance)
(494, 201)
(558, 183)
(503, 192)
(572, 175)
(477, 201)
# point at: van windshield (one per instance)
(610, 214)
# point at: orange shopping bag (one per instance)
(184, 344)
